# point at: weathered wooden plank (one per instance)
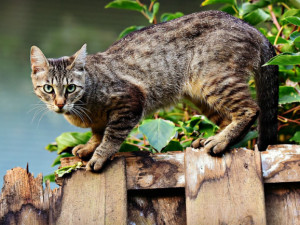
(161, 206)
(224, 190)
(281, 163)
(22, 199)
(92, 198)
(155, 171)
(283, 203)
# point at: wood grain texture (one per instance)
(91, 198)
(224, 190)
(155, 171)
(281, 163)
(23, 199)
(283, 203)
(161, 206)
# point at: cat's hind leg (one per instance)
(242, 110)
(229, 96)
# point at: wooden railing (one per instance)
(191, 187)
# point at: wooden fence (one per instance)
(242, 187)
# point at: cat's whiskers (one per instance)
(85, 112)
(78, 114)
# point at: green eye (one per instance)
(71, 88)
(48, 88)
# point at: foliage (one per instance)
(175, 129)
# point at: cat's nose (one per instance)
(60, 103)
(60, 106)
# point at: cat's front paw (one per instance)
(216, 144)
(96, 163)
(199, 142)
(84, 152)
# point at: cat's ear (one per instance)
(79, 58)
(38, 61)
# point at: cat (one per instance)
(206, 57)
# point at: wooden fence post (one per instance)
(224, 190)
(93, 198)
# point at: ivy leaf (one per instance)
(154, 12)
(50, 177)
(291, 12)
(257, 16)
(68, 169)
(127, 147)
(243, 143)
(295, 36)
(125, 4)
(159, 132)
(170, 16)
(71, 139)
(293, 20)
(51, 147)
(173, 145)
(209, 2)
(57, 160)
(129, 30)
(296, 137)
(280, 40)
(248, 7)
(288, 95)
(285, 59)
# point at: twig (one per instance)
(277, 36)
(285, 5)
(139, 146)
(151, 5)
(286, 120)
(186, 140)
(292, 109)
(274, 17)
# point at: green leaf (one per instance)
(68, 169)
(170, 16)
(71, 139)
(173, 145)
(280, 40)
(296, 137)
(50, 177)
(125, 4)
(127, 147)
(129, 30)
(291, 12)
(159, 132)
(51, 147)
(257, 16)
(154, 12)
(295, 3)
(248, 7)
(285, 59)
(288, 94)
(243, 143)
(293, 20)
(209, 2)
(57, 160)
(295, 36)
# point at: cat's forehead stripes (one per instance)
(59, 63)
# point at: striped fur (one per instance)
(206, 57)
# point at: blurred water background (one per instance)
(59, 28)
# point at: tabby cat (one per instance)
(206, 57)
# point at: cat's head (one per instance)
(58, 82)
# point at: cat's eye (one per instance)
(71, 88)
(48, 88)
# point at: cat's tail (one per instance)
(267, 97)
